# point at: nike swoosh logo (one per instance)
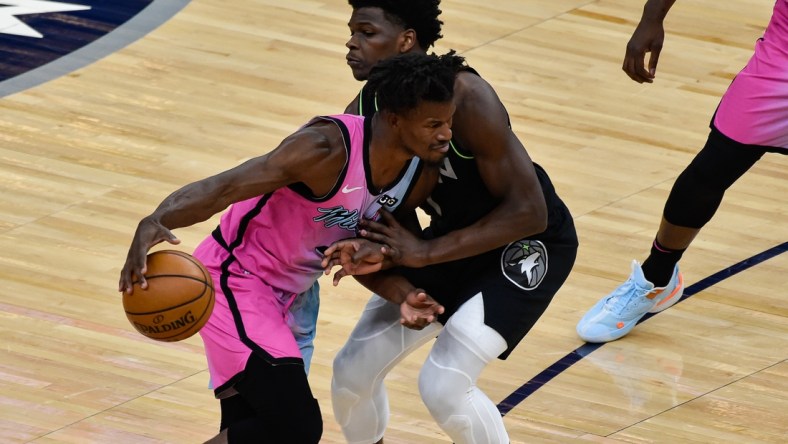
(350, 190)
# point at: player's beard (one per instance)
(435, 162)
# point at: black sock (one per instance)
(658, 267)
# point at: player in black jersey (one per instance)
(499, 246)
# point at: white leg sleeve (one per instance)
(448, 379)
(376, 345)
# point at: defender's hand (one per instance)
(419, 310)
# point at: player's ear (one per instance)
(407, 40)
(393, 119)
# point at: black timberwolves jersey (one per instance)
(460, 197)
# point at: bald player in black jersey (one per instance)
(499, 246)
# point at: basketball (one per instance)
(178, 301)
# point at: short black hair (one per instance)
(400, 83)
(419, 15)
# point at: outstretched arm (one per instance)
(647, 38)
(296, 159)
(481, 126)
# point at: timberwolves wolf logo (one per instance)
(44, 39)
(524, 263)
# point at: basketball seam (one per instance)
(197, 321)
(206, 276)
(207, 283)
(205, 288)
(183, 276)
(191, 259)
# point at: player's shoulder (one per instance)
(334, 124)
(470, 88)
(321, 133)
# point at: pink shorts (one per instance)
(249, 316)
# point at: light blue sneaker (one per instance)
(617, 314)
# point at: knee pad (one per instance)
(447, 381)
(378, 342)
(463, 411)
(347, 373)
(343, 400)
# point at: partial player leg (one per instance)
(302, 320)
(694, 199)
(253, 356)
(376, 345)
(448, 379)
(274, 404)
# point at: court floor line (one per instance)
(584, 350)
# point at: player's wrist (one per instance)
(655, 11)
(422, 256)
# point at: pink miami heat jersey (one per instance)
(267, 251)
(280, 237)
(754, 110)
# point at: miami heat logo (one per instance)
(337, 216)
(524, 263)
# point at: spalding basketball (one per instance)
(178, 301)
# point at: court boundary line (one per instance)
(584, 350)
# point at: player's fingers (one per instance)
(414, 324)
(338, 246)
(329, 264)
(652, 62)
(373, 236)
(142, 280)
(630, 66)
(331, 249)
(640, 73)
(376, 227)
(124, 283)
(365, 255)
(339, 275)
(135, 273)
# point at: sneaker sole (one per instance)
(612, 336)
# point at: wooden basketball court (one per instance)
(86, 154)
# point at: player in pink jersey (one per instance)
(285, 208)
(751, 119)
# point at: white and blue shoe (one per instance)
(617, 314)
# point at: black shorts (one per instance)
(517, 281)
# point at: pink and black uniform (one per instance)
(268, 249)
(754, 109)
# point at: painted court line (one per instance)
(581, 352)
